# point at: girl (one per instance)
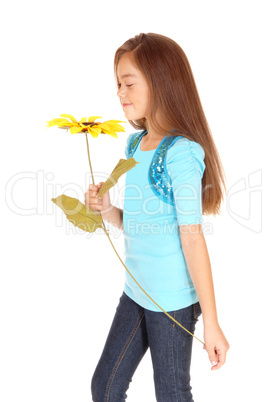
(179, 176)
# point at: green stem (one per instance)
(88, 153)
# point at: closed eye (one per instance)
(119, 85)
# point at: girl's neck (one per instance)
(152, 135)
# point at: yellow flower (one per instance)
(110, 127)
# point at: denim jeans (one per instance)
(135, 329)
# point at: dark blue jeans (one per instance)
(133, 330)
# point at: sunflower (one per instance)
(110, 127)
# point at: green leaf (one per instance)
(78, 214)
(122, 167)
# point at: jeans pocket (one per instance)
(197, 310)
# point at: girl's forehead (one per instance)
(126, 75)
(127, 68)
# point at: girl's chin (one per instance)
(131, 116)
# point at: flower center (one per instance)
(90, 123)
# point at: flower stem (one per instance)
(106, 232)
(89, 157)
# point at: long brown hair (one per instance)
(173, 91)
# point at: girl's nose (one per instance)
(120, 93)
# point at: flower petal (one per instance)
(104, 125)
(67, 123)
(115, 121)
(54, 122)
(94, 135)
(95, 129)
(106, 129)
(114, 126)
(83, 120)
(75, 129)
(93, 118)
(111, 133)
(69, 116)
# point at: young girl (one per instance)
(179, 176)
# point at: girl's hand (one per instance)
(91, 200)
(216, 345)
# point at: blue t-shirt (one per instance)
(152, 241)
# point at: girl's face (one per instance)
(133, 90)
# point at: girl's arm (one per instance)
(113, 215)
(198, 263)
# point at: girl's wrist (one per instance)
(209, 322)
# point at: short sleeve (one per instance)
(185, 166)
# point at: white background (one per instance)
(59, 286)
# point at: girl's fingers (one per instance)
(91, 198)
(221, 359)
(213, 356)
(217, 358)
(92, 191)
